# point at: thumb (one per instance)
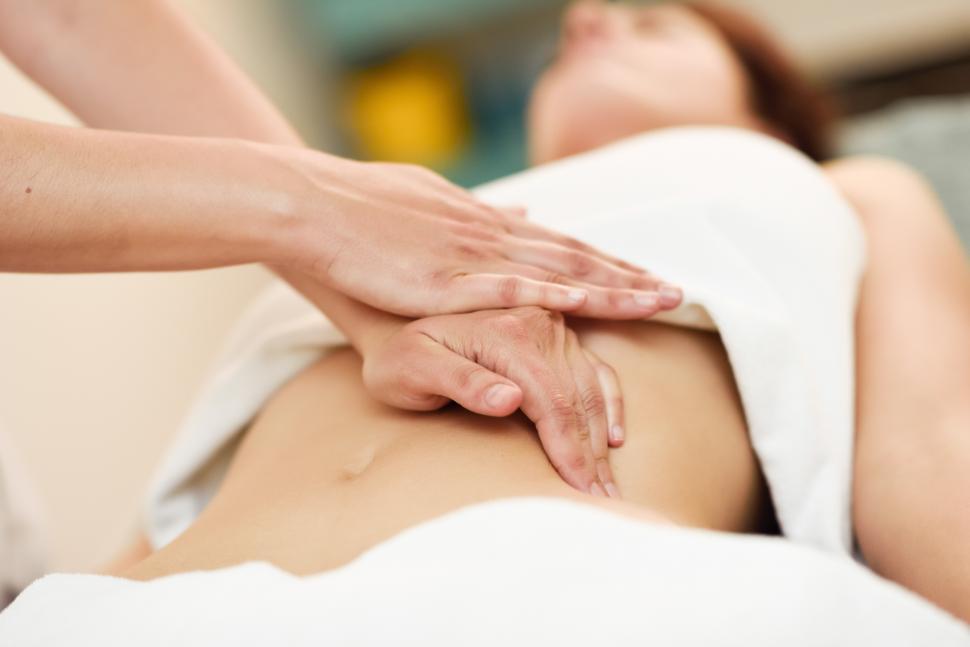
(440, 372)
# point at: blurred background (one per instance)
(97, 371)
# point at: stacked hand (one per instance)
(491, 286)
(494, 362)
(404, 240)
(399, 238)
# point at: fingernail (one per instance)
(596, 490)
(616, 434)
(576, 296)
(670, 295)
(612, 490)
(499, 395)
(646, 299)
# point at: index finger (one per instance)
(530, 230)
(550, 400)
(593, 401)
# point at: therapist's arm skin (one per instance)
(83, 200)
(142, 66)
(134, 88)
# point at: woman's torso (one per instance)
(325, 472)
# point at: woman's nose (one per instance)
(586, 19)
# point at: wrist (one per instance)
(272, 216)
(366, 328)
(298, 227)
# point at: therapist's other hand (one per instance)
(494, 362)
(405, 240)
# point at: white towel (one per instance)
(763, 245)
(767, 252)
(509, 572)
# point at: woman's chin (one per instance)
(576, 136)
(568, 123)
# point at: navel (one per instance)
(358, 464)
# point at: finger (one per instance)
(437, 375)
(613, 398)
(597, 302)
(515, 211)
(550, 400)
(586, 266)
(594, 404)
(576, 264)
(528, 229)
(618, 304)
(472, 292)
(605, 303)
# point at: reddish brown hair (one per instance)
(781, 93)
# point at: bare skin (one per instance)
(912, 453)
(325, 472)
(81, 200)
(913, 440)
(188, 202)
(912, 466)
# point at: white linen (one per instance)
(509, 572)
(764, 247)
(767, 252)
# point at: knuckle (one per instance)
(449, 280)
(511, 327)
(555, 278)
(466, 374)
(577, 462)
(543, 322)
(562, 412)
(594, 402)
(509, 289)
(616, 299)
(580, 263)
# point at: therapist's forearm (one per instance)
(139, 66)
(193, 89)
(79, 200)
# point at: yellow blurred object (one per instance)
(410, 109)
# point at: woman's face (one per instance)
(623, 69)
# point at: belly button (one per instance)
(356, 466)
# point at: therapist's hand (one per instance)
(497, 361)
(404, 240)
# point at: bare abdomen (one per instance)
(325, 472)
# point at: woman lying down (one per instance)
(818, 373)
